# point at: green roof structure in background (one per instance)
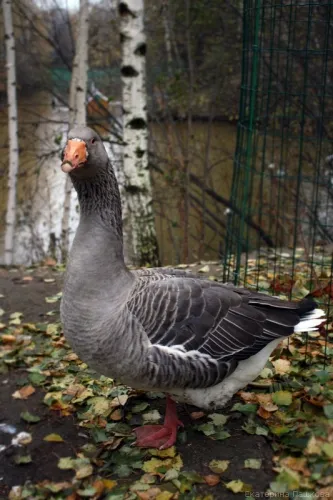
(61, 77)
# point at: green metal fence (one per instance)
(280, 234)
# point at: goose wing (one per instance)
(176, 308)
(212, 325)
(194, 314)
(195, 329)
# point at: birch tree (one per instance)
(140, 244)
(82, 64)
(12, 131)
(77, 110)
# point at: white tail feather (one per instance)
(311, 321)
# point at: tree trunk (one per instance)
(12, 131)
(82, 51)
(140, 244)
(72, 101)
(167, 37)
(77, 111)
(186, 177)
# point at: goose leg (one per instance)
(160, 436)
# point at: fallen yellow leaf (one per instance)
(212, 479)
(263, 413)
(155, 463)
(264, 399)
(53, 438)
(71, 357)
(109, 483)
(165, 495)
(24, 392)
(282, 366)
(297, 464)
(219, 466)
(99, 487)
(248, 397)
(116, 415)
(195, 415)
(150, 494)
(168, 453)
(8, 339)
(313, 447)
(119, 401)
(84, 471)
(237, 486)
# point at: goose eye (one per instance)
(93, 141)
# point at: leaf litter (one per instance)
(291, 402)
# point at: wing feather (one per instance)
(219, 325)
(195, 314)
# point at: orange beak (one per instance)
(75, 156)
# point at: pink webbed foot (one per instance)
(160, 436)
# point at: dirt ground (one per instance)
(25, 292)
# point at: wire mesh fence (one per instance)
(280, 233)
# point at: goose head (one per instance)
(84, 154)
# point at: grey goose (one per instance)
(197, 340)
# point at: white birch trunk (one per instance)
(140, 244)
(12, 131)
(77, 111)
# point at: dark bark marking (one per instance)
(129, 71)
(137, 124)
(141, 49)
(139, 152)
(124, 10)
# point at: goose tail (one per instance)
(310, 316)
